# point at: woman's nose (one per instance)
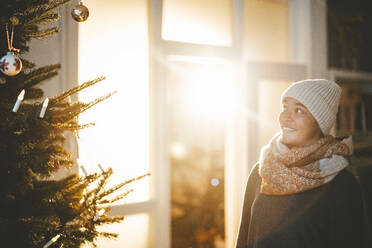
(285, 116)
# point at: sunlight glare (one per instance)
(209, 93)
(178, 150)
(114, 43)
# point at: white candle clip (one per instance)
(50, 242)
(19, 100)
(44, 107)
(100, 213)
(83, 170)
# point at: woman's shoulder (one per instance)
(346, 185)
(254, 179)
(346, 179)
(254, 175)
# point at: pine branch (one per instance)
(87, 106)
(35, 11)
(68, 114)
(76, 89)
(108, 235)
(34, 93)
(45, 69)
(116, 198)
(60, 114)
(119, 186)
(44, 19)
(62, 105)
(39, 75)
(73, 127)
(27, 64)
(100, 187)
(41, 34)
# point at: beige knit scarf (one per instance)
(287, 171)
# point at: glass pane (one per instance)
(198, 21)
(266, 30)
(269, 108)
(199, 101)
(133, 232)
(114, 42)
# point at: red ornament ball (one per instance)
(10, 64)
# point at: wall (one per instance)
(54, 51)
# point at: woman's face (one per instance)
(299, 128)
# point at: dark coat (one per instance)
(331, 215)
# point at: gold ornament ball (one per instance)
(80, 13)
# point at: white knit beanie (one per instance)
(321, 97)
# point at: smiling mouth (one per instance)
(288, 129)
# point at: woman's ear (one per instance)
(333, 130)
(321, 133)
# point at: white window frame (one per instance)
(335, 73)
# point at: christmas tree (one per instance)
(36, 211)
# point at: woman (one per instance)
(299, 194)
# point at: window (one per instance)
(199, 98)
(195, 21)
(266, 30)
(114, 42)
